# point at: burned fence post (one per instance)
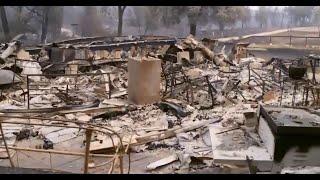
(294, 92)
(282, 88)
(67, 89)
(109, 84)
(172, 78)
(306, 44)
(290, 37)
(86, 159)
(263, 86)
(210, 90)
(303, 93)
(249, 74)
(28, 92)
(318, 96)
(307, 93)
(273, 73)
(279, 77)
(270, 40)
(314, 71)
(75, 82)
(5, 144)
(15, 70)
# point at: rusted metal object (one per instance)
(86, 126)
(297, 72)
(86, 159)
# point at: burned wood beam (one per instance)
(50, 110)
(172, 132)
(83, 40)
(111, 46)
(190, 41)
(113, 112)
(106, 39)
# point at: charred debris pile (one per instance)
(106, 99)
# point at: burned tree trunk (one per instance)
(193, 29)
(221, 26)
(19, 13)
(4, 21)
(120, 19)
(191, 42)
(44, 24)
(282, 20)
(56, 21)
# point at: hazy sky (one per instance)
(256, 7)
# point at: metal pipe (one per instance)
(83, 74)
(28, 92)
(109, 83)
(57, 152)
(15, 70)
(68, 126)
(86, 159)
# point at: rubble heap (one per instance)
(148, 104)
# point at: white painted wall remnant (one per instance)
(7, 77)
(30, 67)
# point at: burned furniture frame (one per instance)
(279, 68)
(314, 61)
(175, 78)
(284, 77)
(233, 82)
(282, 65)
(89, 129)
(30, 85)
(263, 81)
(315, 91)
(309, 89)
